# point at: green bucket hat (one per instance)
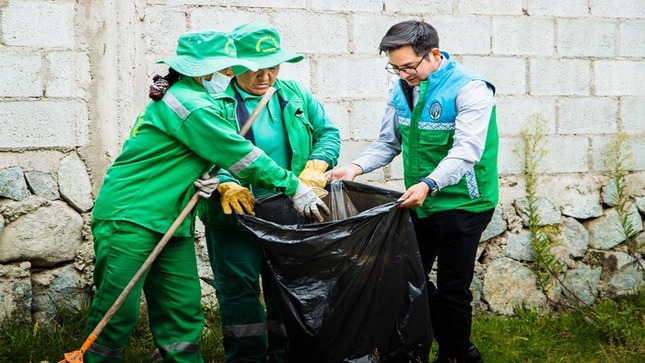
(206, 52)
(260, 43)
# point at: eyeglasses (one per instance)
(410, 71)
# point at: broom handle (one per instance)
(171, 231)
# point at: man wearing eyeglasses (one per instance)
(441, 115)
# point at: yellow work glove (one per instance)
(235, 197)
(313, 174)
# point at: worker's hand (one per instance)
(206, 185)
(414, 196)
(235, 197)
(313, 174)
(307, 203)
(347, 172)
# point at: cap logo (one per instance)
(262, 47)
(229, 48)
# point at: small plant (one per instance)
(543, 238)
(618, 160)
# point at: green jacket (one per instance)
(310, 133)
(172, 143)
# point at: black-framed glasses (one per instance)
(407, 70)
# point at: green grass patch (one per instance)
(612, 331)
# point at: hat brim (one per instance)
(270, 60)
(189, 66)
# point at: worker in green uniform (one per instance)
(299, 136)
(175, 140)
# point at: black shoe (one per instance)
(472, 355)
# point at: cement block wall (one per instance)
(76, 72)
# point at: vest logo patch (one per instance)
(435, 110)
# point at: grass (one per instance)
(616, 333)
(612, 331)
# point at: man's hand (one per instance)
(313, 174)
(347, 172)
(206, 185)
(235, 197)
(414, 196)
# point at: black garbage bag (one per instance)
(353, 287)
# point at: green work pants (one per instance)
(171, 286)
(250, 334)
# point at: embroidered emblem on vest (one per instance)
(435, 111)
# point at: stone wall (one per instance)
(75, 74)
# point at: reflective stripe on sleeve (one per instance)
(247, 160)
(175, 105)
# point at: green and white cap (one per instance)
(260, 43)
(206, 52)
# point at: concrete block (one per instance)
(338, 78)
(164, 26)
(21, 74)
(631, 38)
(300, 72)
(499, 7)
(506, 73)
(280, 4)
(586, 37)
(418, 6)
(566, 154)
(600, 152)
(224, 19)
(634, 149)
(284, 4)
(632, 112)
(366, 117)
(549, 8)
(513, 113)
(637, 146)
(347, 5)
(588, 115)
(523, 36)
(339, 113)
(45, 24)
(350, 150)
(69, 74)
(43, 124)
(616, 78)
(617, 8)
(509, 159)
(560, 77)
(454, 39)
(329, 35)
(369, 29)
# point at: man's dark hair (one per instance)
(420, 35)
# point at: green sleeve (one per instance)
(213, 138)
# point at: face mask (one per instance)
(217, 84)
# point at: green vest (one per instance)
(425, 145)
